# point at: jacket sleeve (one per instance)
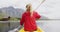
(37, 16)
(22, 20)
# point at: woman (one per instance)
(29, 19)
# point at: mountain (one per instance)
(11, 11)
(14, 12)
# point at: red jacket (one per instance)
(29, 21)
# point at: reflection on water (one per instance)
(46, 25)
(6, 26)
(50, 25)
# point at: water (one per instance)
(46, 25)
(49, 25)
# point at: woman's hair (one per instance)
(28, 5)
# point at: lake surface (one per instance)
(46, 25)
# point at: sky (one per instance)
(50, 8)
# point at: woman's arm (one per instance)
(37, 16)
(22, 20)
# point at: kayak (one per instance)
(38, 30)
